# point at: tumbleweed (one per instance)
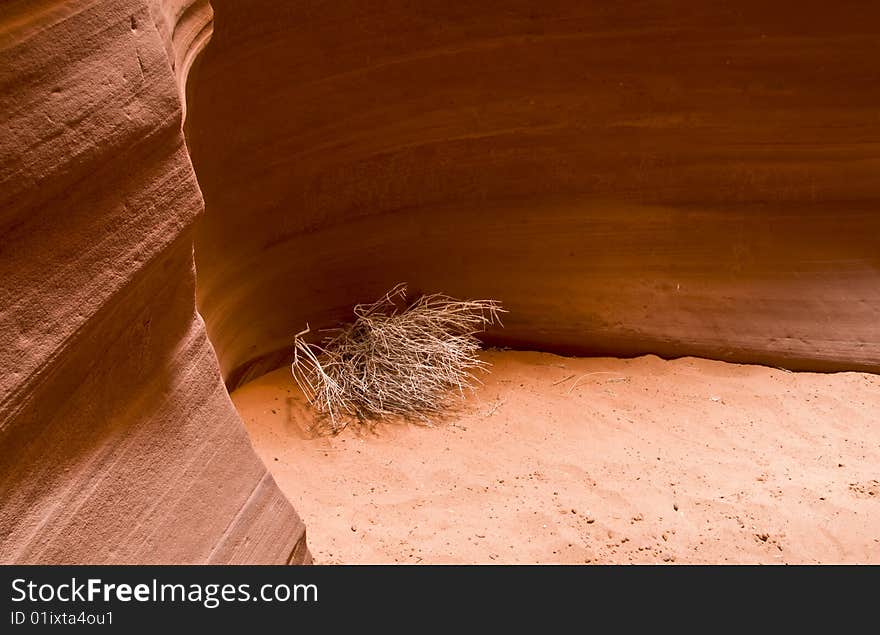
(394, 360)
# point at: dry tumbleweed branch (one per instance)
(394, 360)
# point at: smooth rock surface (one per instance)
(660, 177)
(118, 441)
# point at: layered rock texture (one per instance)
(118, 441)
(675, 178)
(658, 177)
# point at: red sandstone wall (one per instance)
(118, 442)
(669, 177)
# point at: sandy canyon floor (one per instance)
(564, 460)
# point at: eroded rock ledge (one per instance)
(118, 441)
(670, 178)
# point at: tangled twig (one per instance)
(394, 360)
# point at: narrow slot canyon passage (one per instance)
(629, 184)
(676, 203)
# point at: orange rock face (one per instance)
(670, 178)
(118, 441)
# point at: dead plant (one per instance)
(394, 360)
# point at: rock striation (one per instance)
(659, 177)
(118, 440)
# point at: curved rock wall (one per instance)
(118, 441)
(668, 177)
